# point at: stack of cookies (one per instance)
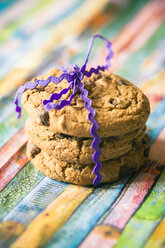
(60, 142)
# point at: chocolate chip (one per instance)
(114, 102)
(146, 152)
(34, 150)
(144, 141)
(134, 143)
(45, 118)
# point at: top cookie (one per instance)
(120, 106)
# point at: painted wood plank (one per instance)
(11, 126)
(8, 31)
(29, 207)
(108, 230)
(154, 88)
(137, 58)
(86, 216)
(155, 127)
(12, 146)
(40, 231)
(35, 35)
(157, 151)
(157, 239)
(18, 188)
(19, 74)
(15, 11)
(146, 219)
(12, 167)
(137, 32)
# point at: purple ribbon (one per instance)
(74, 79)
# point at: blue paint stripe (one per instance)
(86, 216)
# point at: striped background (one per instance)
(35, 211)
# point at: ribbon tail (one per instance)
(93, 130)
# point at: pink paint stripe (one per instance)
(12, 167)
(12, 146)
(132, 198)
(157, 151)
(123, 209)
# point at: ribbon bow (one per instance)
(74, 79)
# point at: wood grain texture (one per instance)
(52, 218)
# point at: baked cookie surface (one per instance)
(111, 170)
(120, 106)
(79, 150)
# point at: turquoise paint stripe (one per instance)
(18, 188)
(135, 60)
(146, 219)
(6, 4)
(156, 121)
(87, 214)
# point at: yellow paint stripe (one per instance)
(41, 230)
(71, 26)
(157, 240)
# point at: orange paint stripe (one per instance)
(12, 146)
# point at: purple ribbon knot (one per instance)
(74, 78)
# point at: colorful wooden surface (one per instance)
(36, 211)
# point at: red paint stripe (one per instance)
(12, 146)
(123, 209)
(12, 167)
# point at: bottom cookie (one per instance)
(111, 170)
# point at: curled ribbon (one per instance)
(74, 79)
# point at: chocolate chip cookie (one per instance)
(120, 106)
(111, 170)
(78, 150)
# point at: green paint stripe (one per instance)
(145, 220)
(10, 28)
(18, 188)
(135, 60)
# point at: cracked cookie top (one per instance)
(120, 106)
